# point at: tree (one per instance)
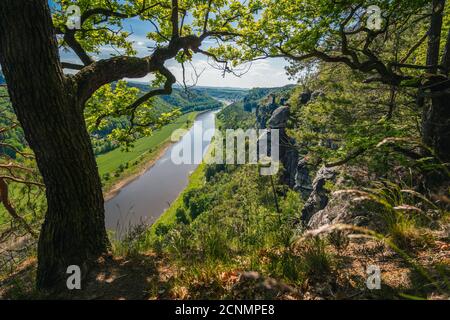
(347, 32)
(50, 104)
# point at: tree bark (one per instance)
(48, 109)
(434, 35)
(436, 125)
(436, 116)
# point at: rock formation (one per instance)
(318, 199)
(288, 151)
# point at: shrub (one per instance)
(197, 201)
(182, 216)
(215, 244)
(161, 230)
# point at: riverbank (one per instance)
(168, 217)
(196, 180)
(140, 158)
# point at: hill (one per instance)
(219, 93)
(253, 97)
(187, 101)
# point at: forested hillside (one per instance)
(219, 93)
(232, 234)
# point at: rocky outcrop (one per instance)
(343, 209)
(296, 172)
(318, 199)
(264, 111)
(279, 118)
(303, 183)
(288, 152)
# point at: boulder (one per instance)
(343, 209)
(279, 118)
(303, 183)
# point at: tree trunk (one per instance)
(436, 126)
(436, 115)
(52, 119)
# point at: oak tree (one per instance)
(50, 103)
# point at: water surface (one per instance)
(147, 197)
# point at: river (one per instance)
(144, 199)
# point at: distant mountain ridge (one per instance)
(218, 93)
(186, 101)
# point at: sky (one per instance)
(262, 73)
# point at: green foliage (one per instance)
(131, 243)
(253, 98)
(234, 117)
(407, 215)
(197, 202)
(227, 94)
(108, 112)
(181, 216)
(162, 230)
(192, 100)
(352, 117)
(28, 201)
(316, 262)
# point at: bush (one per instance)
(182, 216)
(197, 201)
(161, 230)
(213, 169)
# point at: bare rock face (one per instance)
(342, 209)
(288, 152)
(279, 118)
(303, 183)
(318, 199)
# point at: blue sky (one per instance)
(262, 73)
